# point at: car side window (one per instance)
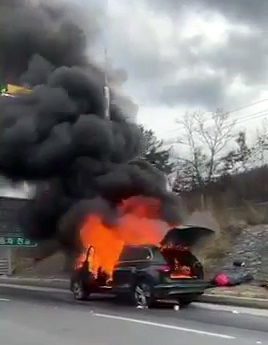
(158, 257)
(135, 254)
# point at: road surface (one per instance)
(39, 316)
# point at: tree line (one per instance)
(212, 158)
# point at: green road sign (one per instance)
(2, 88)
(16, 241)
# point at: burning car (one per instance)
(92, 187)
(146, 274)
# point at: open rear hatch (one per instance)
(186, 236)
(176, 249)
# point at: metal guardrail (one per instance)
(5, 261)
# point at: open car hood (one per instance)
(187, 235)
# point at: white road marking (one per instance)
(162, 325)
(4, 300)
(228, 308)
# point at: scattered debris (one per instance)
(141, 307)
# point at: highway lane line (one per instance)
(4, 300)
(162, 325)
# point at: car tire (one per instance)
(79, 291)
(185, 302)
(143, 294)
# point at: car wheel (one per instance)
(79, 291)
(143, 295)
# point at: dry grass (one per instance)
(219, 246)
(214, 251)
(250, 213)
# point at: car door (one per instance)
(131, 261)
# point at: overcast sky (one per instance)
(182, 55)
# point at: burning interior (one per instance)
(181, 261)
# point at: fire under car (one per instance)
(145, 275)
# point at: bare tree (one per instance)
(239, 159)
(205, 137)
(261, 146)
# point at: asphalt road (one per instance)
(50, 316)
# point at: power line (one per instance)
(249, 117)
(245, 118)
(255, 116)
(235, 110)
(247, 106)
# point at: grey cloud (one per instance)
(150, 73)
(204, 91)
(142, 60)
(243, 55)
(251, 12)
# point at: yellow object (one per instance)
(12, 89)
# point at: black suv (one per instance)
(145, 275)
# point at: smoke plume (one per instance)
(57, 135)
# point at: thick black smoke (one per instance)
(57, 135)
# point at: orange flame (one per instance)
(136, 227)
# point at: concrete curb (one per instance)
(258, 303)
(37, 282)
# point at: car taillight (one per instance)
(163, 268)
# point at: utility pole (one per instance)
(106, 89)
